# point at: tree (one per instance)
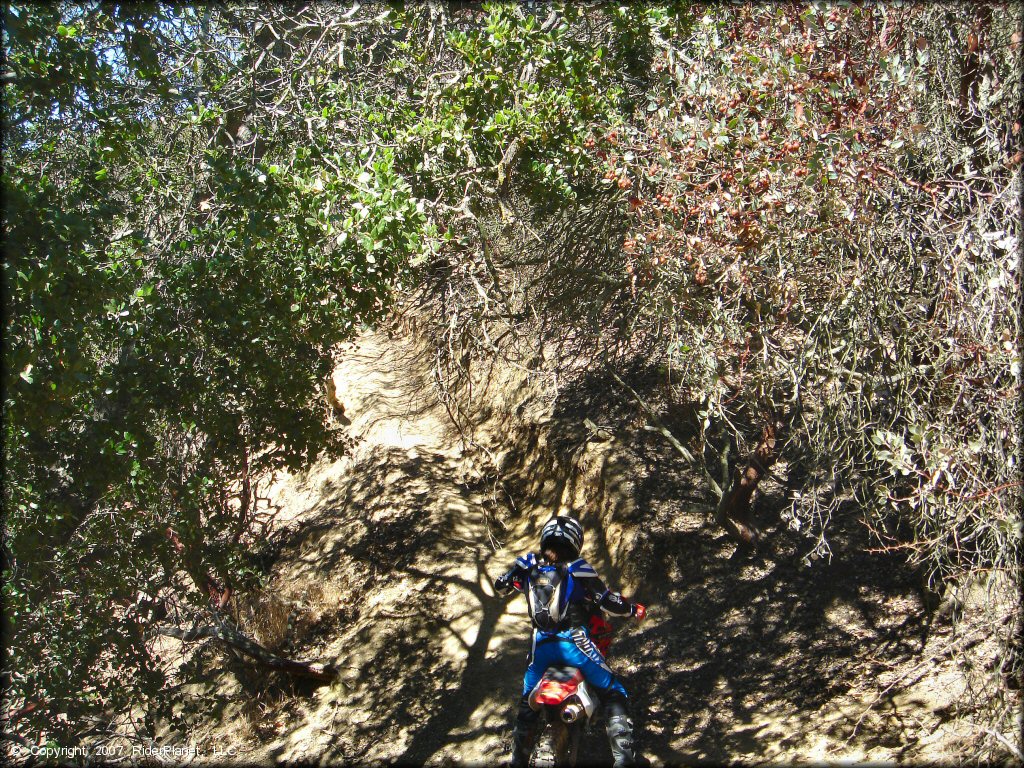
(173, 296)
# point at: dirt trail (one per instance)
(384, 567)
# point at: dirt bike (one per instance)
(567, 705)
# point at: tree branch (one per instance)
(656, 422)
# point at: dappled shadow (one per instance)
(385, 408)
(739, 648)
(415, 619)
(741, 656)
(480, 683)
(741, 640)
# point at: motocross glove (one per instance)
(512, 580)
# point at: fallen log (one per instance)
(222, 630)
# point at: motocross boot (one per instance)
(523, 733)
(619, 727)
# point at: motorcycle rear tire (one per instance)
(556, 746)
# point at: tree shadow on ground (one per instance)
(475, 686)
(734, 647)
(734, 639)
(434, 668)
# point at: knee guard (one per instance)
(614, 700)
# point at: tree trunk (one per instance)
(734, 512)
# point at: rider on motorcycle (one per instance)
(562, 592)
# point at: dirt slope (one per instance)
(384, 566)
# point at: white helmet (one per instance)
(564, 529)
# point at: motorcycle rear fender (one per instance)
(556, 685)
(587, 699)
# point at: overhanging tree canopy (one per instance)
(808, 216)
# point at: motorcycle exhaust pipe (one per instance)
(571, 712)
